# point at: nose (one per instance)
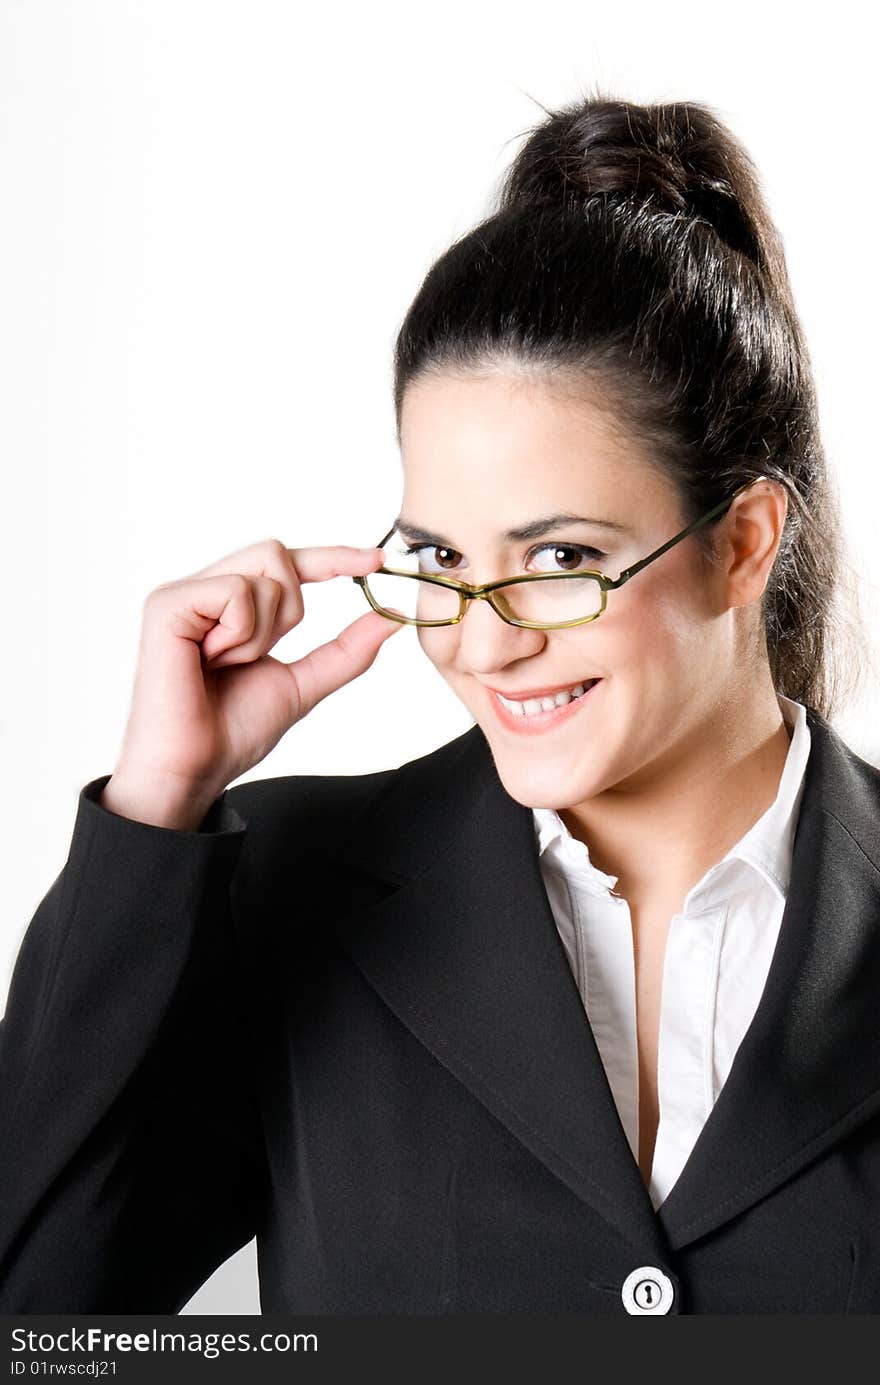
(486, 642)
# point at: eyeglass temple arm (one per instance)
(704, 519)
(385, 537)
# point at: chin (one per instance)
(539, 785)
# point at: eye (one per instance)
(575, 553)
(568, 555)
(425, 548)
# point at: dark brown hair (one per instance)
(631, 244)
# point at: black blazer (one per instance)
(340, 1018)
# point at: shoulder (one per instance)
(292, 833)
(301, 812)
(844, 785)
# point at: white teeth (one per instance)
(544, 704)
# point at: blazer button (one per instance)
(647, 1290)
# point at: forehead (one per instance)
(506, 448)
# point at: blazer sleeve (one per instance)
(131, 1153)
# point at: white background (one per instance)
(214, 216)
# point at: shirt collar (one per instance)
(766, 846)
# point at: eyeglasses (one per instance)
(535, 600)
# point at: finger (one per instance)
(340, 660)
(311, 564)
(219, 648)
(190, 608)
(320, 564)
(290, 566)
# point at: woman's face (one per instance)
(493, 452)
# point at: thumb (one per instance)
(340, 660)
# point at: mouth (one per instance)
(543, 713)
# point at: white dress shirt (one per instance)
(718, 953)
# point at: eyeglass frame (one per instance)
(466, 592)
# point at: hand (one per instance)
(209, 701)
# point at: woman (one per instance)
(575, 1013)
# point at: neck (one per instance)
(659, 840)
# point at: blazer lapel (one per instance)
(451, 924)
(808, 1069)
(461, 943)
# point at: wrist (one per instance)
(158, 800)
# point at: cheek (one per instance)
(437, 645)
(659, 628)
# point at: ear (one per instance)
(749, 540)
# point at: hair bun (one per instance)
(677, 156)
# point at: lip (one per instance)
(523, 694)
(541, 721)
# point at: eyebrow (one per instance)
(535, 529)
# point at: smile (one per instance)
(542, 713)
